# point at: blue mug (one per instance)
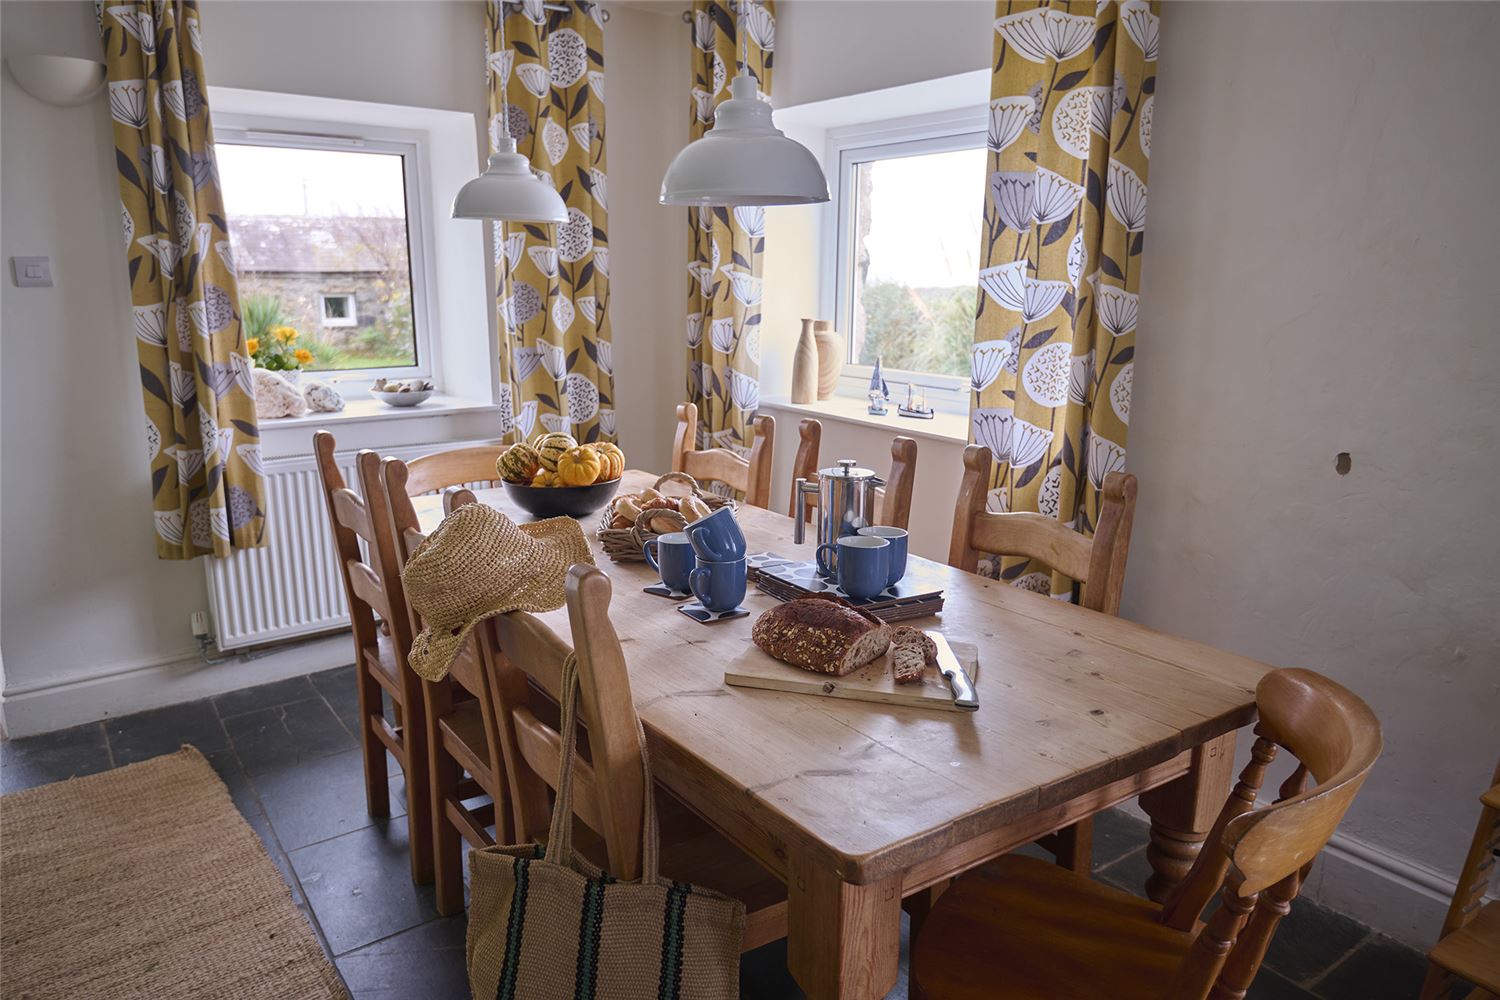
(719, 586)
(897, 556)
(717, 537)
(863, 564)
(672, 556)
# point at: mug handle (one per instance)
(699, 573)
(650, 556)
(823, 567)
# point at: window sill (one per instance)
(370, 410)
(949, 427)
(369, 423)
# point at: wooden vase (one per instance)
(830, 357)
(806, 365)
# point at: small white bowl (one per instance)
(411, 398)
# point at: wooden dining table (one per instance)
(857, 805)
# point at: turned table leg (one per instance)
(843, 940)
(1182, 813)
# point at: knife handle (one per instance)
(963, 691)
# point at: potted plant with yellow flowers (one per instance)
(277, 351)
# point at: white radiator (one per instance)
(291, 587)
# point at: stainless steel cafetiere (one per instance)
(845, 503)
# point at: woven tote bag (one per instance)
(548, 925)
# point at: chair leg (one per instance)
(1437, 984)
(377, 790)
(447, 844)
(1074, 847)
(419, 825)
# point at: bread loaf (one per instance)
(819, 633)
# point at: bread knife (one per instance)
(964, 697)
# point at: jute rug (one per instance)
(145, 882)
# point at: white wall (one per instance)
(82, 595)
(1318, 279)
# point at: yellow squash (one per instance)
(549, 447)
(578, 467)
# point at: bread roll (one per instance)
(823, 634)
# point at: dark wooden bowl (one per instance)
(562, 501)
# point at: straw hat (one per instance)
(477, 564)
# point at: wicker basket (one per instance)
(625, 544)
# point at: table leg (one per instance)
(843, 940)
(1182, 813)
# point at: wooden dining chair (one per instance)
(461, 731)
(455, 467)
(1468, 948)
(1021, 928)
(892, 501)
(751, 477)
(609, 787)
(1098, 564)
(372, 584)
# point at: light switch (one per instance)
(32, 272)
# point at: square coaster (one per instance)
(662, 590)
(698, 613)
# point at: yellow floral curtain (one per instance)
(202, 439)
(725, 244)
(556, 358)
(1070, 139)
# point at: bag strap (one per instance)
(560, 831)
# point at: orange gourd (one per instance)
(611, 461)
(578, 467)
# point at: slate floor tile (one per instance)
(340, 689)
(1270, 986)
(164, 730)
(1116, 834)
(360, 887)
(1378, 968)
(271, 738)
(424, 963)
(1128, 873)
(1310, 939)
(320, 798)
(279, 692)
(55, 756)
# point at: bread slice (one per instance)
(821, 633)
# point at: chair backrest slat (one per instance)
(609, 790)
(455, 467)
(751, 476)
(1098, 563)
(805, 464)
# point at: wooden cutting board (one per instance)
(872, 682)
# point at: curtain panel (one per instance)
(1071, 105)
(556, 358)
(725, 245)
(202, 440)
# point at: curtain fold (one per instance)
(1071, 103)
(556, 357)
(203, 444)
(725, 245)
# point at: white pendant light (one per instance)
(744, 159)
(508, 190)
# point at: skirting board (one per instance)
(138, 687)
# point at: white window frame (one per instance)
(411, 145)
(350, 319)
(849, 146)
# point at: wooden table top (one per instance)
(1070, 700)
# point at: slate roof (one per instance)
(317, 244)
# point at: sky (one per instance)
(272, 180)
(925, 218)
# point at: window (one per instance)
(323, 239)
(338, 309)
(903, 272)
